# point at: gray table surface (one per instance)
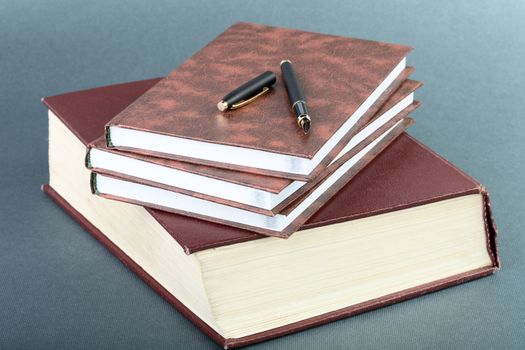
(59, 288)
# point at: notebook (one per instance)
(178, 119)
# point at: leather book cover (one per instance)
(297, 326)
(406, 174)
(267, 183)
(337, 74)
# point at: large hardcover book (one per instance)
(254, 192)
(408, 224)
(177, 118)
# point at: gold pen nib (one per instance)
(305, 123)
(222, 106)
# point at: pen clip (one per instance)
(251, 99)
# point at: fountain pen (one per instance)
(296, 96)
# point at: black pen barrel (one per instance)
(250, 88)
(296, 96)
(291, 82)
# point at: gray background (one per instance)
(59, 288)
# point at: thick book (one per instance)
(410, 223)
(177, 118)
(258, 193)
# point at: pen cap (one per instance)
(250, 88)
(291, 82)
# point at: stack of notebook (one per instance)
(186, 195)
(254, 168)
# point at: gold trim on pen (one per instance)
(250, 100)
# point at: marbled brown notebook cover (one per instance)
(337, 74)
(270, 184)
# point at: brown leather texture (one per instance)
(293, 327)
(337, 75)
(406, 88)
(395, 92)
(300, 219)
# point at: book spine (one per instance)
(491, 230)
(107, 135)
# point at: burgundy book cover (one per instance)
(268, 183)
(227, 343)
(337, 74)
(386, 184)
